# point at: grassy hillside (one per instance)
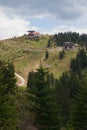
(20, 47)
(27, 55)
(56, 66)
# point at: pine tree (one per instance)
(73, 65)
(67, 87)
(74, 84)
(63, 96)
(8, 118)
(49, 43)
(43, 102)
(51, 80)
(82, 59)
(31, 79)
(61, 55)
(86, 46)
(79, 116)
(79, 63)
(46, 55)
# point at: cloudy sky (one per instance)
(45, 16)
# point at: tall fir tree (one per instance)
(63, 96)
(8, 118)
(79, 115)
(61, 55)
(43, 102)
(82, 59)
(74, 84)
(46, 55)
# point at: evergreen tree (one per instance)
(74, 84)
(46, 55)
(8, 119)
(86, 45)
(63, 96)
(51, 80)
(82, 59)
(67, 87)
(49, 43)
(73, 65)
(61, 54)
(79, 116)
(43, 102)
(79, 63)
(31, 79)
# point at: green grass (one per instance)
(12, 49)
(26, 64)
(56, 66)
(23, 52)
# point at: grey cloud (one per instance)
(64, 9)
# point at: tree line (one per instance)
(60, 38)
(47, 103)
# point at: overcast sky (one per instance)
(45, 16)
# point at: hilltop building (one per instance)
(68, 45)
(33, 35)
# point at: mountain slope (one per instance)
(28, 54)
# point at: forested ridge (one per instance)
(60, 38)
(47, 103)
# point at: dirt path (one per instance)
(55, 49)
(21, 80)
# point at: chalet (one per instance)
(33, 35)
(68, 45)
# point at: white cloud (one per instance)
(64, 28)
(12, 24)
(10, 27)
(64, 9)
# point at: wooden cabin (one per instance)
(68, 45)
